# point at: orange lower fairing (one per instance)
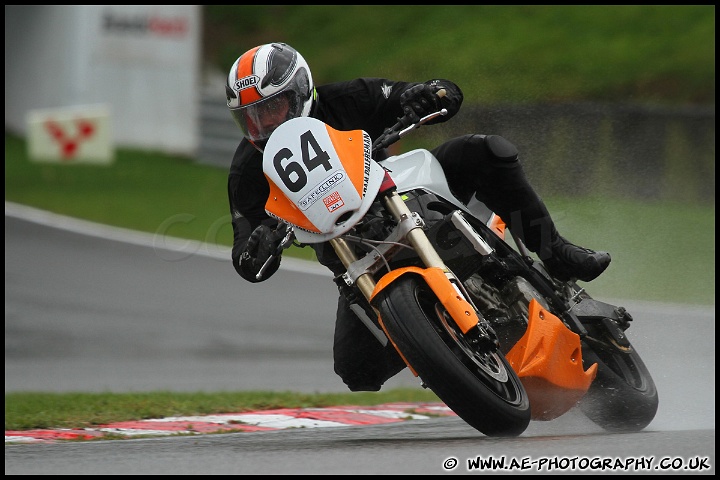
(548, 361)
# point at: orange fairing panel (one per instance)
(497, 225)
(280, 206)
(548, 360)
(460, 309)
(347, 148)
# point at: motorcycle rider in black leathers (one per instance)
(272, 83)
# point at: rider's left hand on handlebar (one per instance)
(419, 101)
(262, 244)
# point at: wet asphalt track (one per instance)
(84, 313)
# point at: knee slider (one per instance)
(501, 149)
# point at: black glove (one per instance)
(261, 245)
(419, 101)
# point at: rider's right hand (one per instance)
(261, 245)
(419, 101)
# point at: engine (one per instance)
(506, 309)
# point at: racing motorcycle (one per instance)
(473, 315)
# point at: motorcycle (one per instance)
(478, 320)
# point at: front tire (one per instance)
(472, 377)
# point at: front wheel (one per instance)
(471, 376)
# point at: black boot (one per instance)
(569, 261)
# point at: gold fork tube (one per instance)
(365, 282)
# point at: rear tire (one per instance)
(623, 396)
(473, 378)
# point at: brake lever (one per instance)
(422, 121)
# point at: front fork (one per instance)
(448, 289)
(415, 236)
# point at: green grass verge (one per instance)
(33, 410)
(661, 252)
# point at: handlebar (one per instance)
(404, 126)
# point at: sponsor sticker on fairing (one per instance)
(333, 201)
(316, 193)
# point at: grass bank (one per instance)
(497, 53)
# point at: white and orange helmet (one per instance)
(262, 83)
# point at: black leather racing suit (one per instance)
(484, 165)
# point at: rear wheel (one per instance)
(623, 396)
(467, 371)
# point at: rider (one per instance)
(272, 83)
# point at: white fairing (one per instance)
(331, 192)
(420, 169)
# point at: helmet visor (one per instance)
(258, 120)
